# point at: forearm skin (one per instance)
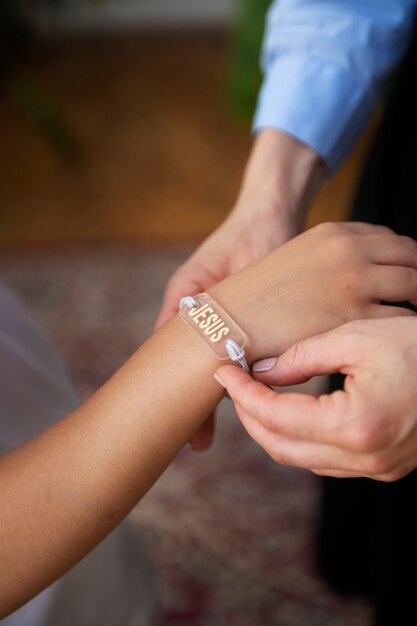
(65, 490)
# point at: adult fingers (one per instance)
(292, 415)
(380, 311)
(255, 397)
(330, 352)
(391, 249)
(331, 473)
(315, 456)
(394, 284)
(363, 228)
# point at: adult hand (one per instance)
(368, 429)
(280, 180)
(242, 239)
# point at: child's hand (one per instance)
(319, 280)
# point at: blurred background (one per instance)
(124, 130)
(130, 119)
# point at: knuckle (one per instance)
(394, 474)
(298, 357)
(275, 447)
(385, 479)
(408, 275)
(328, 228)
(347, 248)
(391, 477)
(256, 397)
(278, 454)
(330, 234)
(254, 390)
(297, 354)
(408, 243)
(381, 229)
(343, 247)
(365, 437)
(380, 465)
(341, 244)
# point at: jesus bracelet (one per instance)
(211, 322)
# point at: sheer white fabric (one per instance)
(114, 584)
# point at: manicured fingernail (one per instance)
(265, 365)
(219, 380)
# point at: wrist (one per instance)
(264, 300)
(281, 178)
(242, 295)
(215, 320)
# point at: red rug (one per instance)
(231, 533)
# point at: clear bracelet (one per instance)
(215, 326)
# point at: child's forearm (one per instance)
(62, 492)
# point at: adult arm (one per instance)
(279, 182)
(325, 66)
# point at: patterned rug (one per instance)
(231, 533)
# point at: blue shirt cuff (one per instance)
(317, 101)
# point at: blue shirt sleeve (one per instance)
(325, 63)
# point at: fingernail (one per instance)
(264, 365)
(219, 380)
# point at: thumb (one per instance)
(240, 385)
(324, 354)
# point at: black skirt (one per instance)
(367, 540)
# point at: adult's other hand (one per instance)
(367, 429)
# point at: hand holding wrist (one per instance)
(280, 179)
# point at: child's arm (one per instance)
(63, 491)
